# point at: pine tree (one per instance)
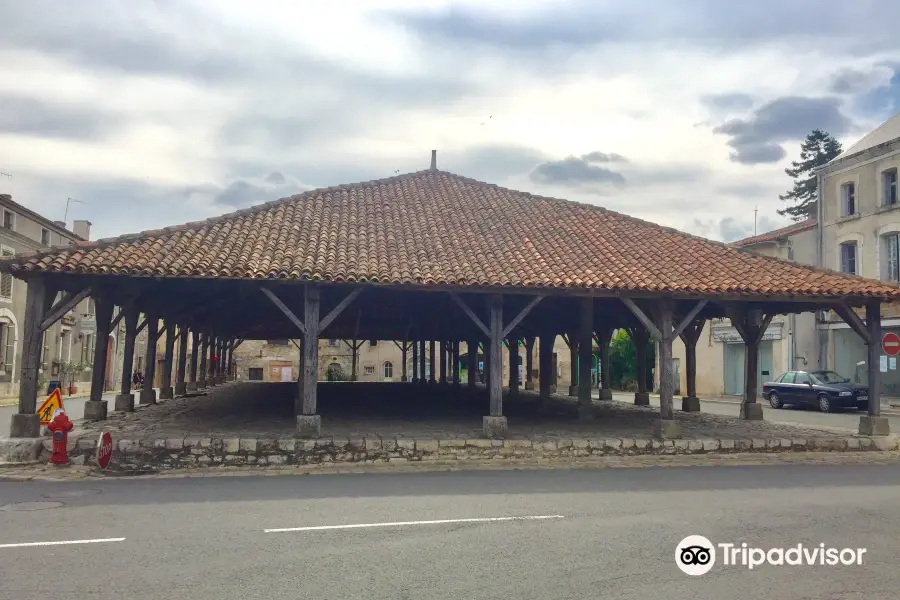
(818, 148)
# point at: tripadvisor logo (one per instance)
(696, 555)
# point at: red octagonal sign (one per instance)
(104, 450)
(890, 343)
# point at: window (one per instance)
(788, 377)
(388, 370)
(889, 186)
(373, 343)
(368, 370)
(45, 237)
(848, 258)
(6, 280)
(255, 374)
(891, 248)
(9, 219)
(332, 343)
(278, 342)
(848, 199)
(802, 377)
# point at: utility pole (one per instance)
(754, 219)
(66, 214)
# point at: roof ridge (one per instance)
(766, 236)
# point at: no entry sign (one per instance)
(104, 450)
(890, 343)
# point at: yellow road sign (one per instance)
(49, 406)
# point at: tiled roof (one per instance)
(777, 234)
(436, 228)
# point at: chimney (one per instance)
(812, 210)
(82, 229)
(434, 160)
(60, 224)
(6, 197)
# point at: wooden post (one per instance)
(495, 424)
(585, 358)
(195, 352)
(415, 361)
(641, 338)
(572, 342)
(26, 423)
(422, 378)
(204, 344)
(529, 362)
(455, 363)
(180, 385)
(309, 423)
(604, 337)
(210, 362)
(690, 336)
(751, 325)
(873, 423)
(148, 394)
(124, 401)
(545, 367)
(403, 355)
(442, 357)
(166, 391)
(514, 359)
(666, 368)
(431, 374)
(95, 409)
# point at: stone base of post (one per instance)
(166, 393)
(180, 389)
(573, 390)
(190, 386)
(642, 398)
(585, 412)
(148, 396)
(201, 384)
(403, 378)
(529, 385)
(124, 403)
(752, 412)
(605, 394)
(25, 426)
(690, 404)
(95, 410)
(309, 426)
(552, 388)
(494, 427)
(666, 430)
(874, 425)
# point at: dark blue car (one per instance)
(825, 390)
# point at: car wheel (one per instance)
(824, 403)
(774, 400)
(863, 407)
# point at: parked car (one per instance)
(825, 390)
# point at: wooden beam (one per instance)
(643, 318)
(337, 310)
(852, 319)
(522, 314)
(142, 325)
(117, 318)
(471, 314)
(692, 314)
(283, 307)
(65, 304)
(293, 341)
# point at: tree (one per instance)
(818, 148)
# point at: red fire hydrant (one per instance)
(60, 427)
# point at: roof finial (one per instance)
(434, 160)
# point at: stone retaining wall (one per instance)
(197, 451)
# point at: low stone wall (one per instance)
(148, 455)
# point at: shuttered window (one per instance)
(6, 280)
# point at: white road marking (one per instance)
(405, 523)
(62, 543)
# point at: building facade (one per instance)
(859, 212)
(68, 349)
(789, 343)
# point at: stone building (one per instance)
(788, 343)
(69, 343)
(859, 212)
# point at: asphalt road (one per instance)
(801, 416)
(616, 536)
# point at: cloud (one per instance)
(728, 102)
(731, 229)
(757, 139)
(45, 119)
(579, 171)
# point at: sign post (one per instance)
(890, 343)
(104, 449)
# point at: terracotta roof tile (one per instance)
(777, 234)
(436, 228)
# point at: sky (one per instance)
(159, 112)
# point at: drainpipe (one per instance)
(821, 332)
(792, 321)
